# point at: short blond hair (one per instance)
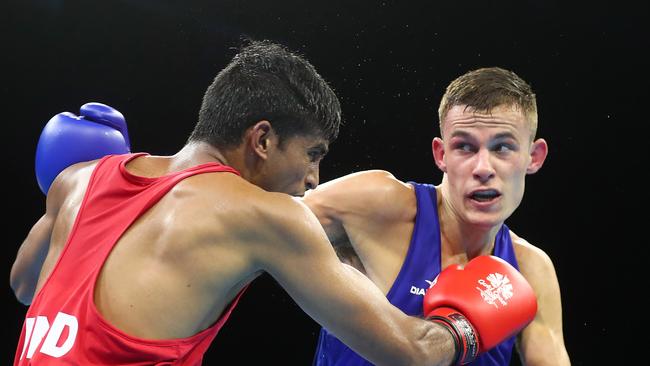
(487, 88)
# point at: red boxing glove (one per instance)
(482, 305)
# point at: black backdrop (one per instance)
(389, 62)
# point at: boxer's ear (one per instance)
(262, 138)
(438, 148)
(538, 153)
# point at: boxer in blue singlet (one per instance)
(401, 235)
(421, 265)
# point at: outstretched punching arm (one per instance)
(293, 248)
(295, 251)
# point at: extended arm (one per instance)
(340, 298)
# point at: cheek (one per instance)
(458, 169)
(517, 171)
(295, 172)
(517, 183)
(517, 196)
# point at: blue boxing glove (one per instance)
(67, 139)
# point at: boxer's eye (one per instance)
(317, 153)
(464, 147)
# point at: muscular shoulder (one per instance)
(244, 211)
(536, 266)
(70, 185)
(276, 227)
(371, 193)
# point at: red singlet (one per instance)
(62, 325)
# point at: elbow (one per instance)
(23, 292)
(23, 295)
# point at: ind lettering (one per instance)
(61, 321)
(37, 328)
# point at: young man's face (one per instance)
(485, 158)
(293, 166)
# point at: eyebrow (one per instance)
(460, 134)
(501, 135)
(321, 147)
(504, 135)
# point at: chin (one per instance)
(299, 192)
(485, 220)
(294, 193)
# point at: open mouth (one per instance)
(485, 195)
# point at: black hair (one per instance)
(266, 81)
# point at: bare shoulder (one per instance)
(70, 184)
(533, 262)
(285, 218)
(372, 181)
(251, 213)
(279, 228)
(365, 193)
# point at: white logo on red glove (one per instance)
(497, 291)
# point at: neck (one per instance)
(459, 237)
(196, 153)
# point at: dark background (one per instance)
(389, 62)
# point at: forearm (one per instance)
(419, 343)
(434, 344)
(343, 300)
(364, 320)
(412, 341)
(422, 342)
